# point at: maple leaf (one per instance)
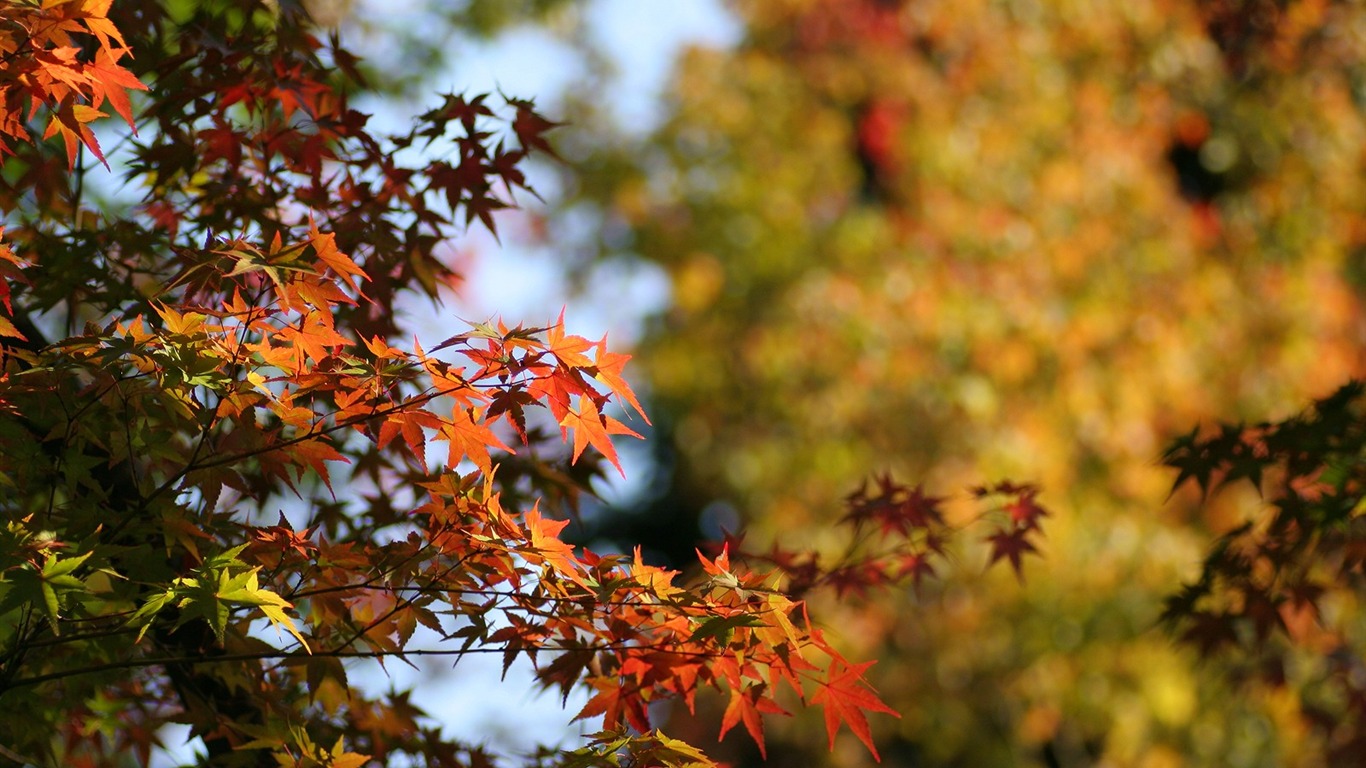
(656, 581)
(457, 107)
(11, 271)
(315, 454)
(284, 538)
(593, 428)
(567, 349)
(7, 328)
(717, 567)
(512, 402)
(1210, 632)
(607, 367)
(1011, 545)
(325, 246)
(1025, 512)
(845, 697)
(71, 122)
(102, 28)
(917, 565)
(1196, 459)
(745, 706)
(529, 126)
(314, 338)
(409, 424)
(470, 438)
(60, 75)
(895, 508)
(245, 589)
(481, 205)
(110, 81)
(546, 544)
(614, 701)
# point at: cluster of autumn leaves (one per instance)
(45, 68)
(240, 352)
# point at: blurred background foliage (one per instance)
(983, 238)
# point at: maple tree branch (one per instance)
(369, 584)
(285, 656)
(10, 754)
(312, 434)
(401, 605)
(78, 194)
(74, 638)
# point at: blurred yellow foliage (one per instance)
(965, 240)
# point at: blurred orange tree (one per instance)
(1039, 239)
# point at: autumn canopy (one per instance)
(227, 479)
(943, 278)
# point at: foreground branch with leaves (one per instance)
(222, 477)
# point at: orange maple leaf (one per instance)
(70, 121)
(745, 706)
(325, 245)
(110, 81)
(102, 28)
(409, 424)
(718, 566)
(612, 701)
(567, 349)
(593, 428)
(313, 339)
(470, 438)
(544, 537)
(845, 695)
(609, 367)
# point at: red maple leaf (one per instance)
(745, 706)
(1011, 545)
(846, 696)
